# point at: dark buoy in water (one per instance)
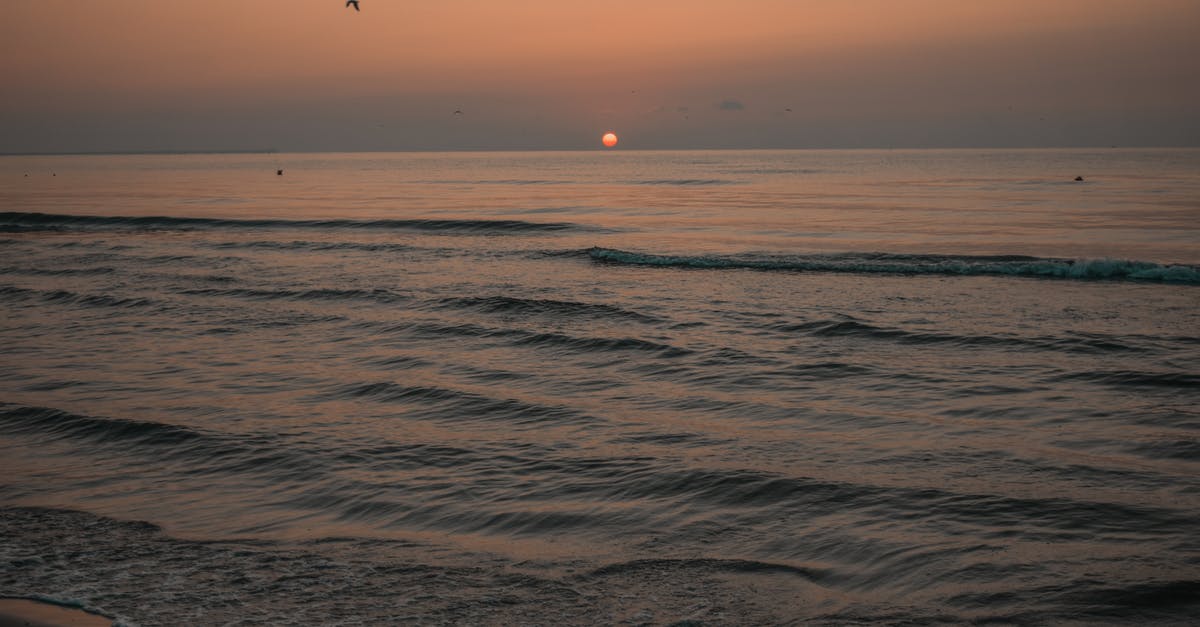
(278, 172)
(1079, 178)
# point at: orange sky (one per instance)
(313, 75)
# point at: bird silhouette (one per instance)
(352, 2)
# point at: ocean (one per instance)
(622, 387)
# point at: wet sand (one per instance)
(27, 613)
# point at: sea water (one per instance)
(817, 387)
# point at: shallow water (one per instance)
(717, 387)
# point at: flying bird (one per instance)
(352, 2)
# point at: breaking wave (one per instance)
(883, 263)
(19, 221)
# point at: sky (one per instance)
(313, 75)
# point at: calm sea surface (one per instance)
(689, 388)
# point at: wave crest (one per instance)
(882, 263)
(20, 221)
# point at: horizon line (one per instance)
(269, 151)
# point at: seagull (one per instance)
(354, 2)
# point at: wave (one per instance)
(601, 344)
(65, 297)
(884, 263)
(64, 425)
(1187, 450)
(708, 565)
(20, 221)
(1136, 379)
(386, 247)
(454, 404)
(378, 295)
(1033, 517)
(1085, 601)
(849, 327)
(58, 271)
(543, 306)
(546, 340)
(201, 451)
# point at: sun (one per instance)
(609, 139)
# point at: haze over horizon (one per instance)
(311, 75)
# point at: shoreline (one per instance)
(23, 612)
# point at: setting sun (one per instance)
(609, 139)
